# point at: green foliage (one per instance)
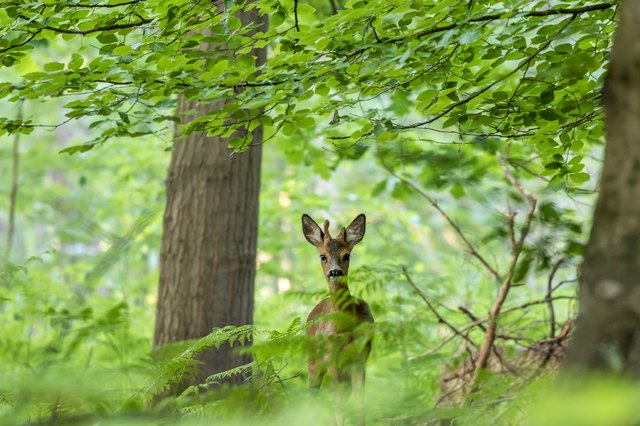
(369, 72)
(421, 114)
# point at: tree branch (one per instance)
(508, 15)
(493, 17)
(126, 3)
(98, 29)
(474, 95)
(22, 43)
(516, 250)
(552, 314)
(472, 250)
(479, 323)
(295, 15)
(440, 318)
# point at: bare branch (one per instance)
(472, 250)
(440, 318)
(552, 314)
(516, 250)
(295, 15)
(471, 316)
(480, 322)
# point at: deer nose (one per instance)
(335, 273)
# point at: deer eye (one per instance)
(347, 257)
(323, 257)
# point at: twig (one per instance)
(511, 217)
(489, 86)
(334, 9)
(535, 302)
(472, 250)
(501, 359)
(574, 12)
(440, 318)
(472, 317)
(498, 16)
(552, 314)
(295, 15)
(108, 5)
(563, 282)
(114, 27)
(516, 249)
(479, 323)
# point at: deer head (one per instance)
(334, 252)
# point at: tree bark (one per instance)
(207, 261)
(607, 335)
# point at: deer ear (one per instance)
(312, 231)
(356, 229)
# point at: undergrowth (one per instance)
(71, 358)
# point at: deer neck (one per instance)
(338, 289)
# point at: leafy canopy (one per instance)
(353, 73)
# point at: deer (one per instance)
(339, 340)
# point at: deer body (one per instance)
(339, 344)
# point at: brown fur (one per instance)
(339, 340)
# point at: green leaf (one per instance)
(5, 19)
(76, 62)
(547, 96)
(378, 188)
(165, 63)
(107, 38)
(458, 191)
(450, 122)
(287, 128)
(579, 177)
(522, 269)
(553, 165)
(549, 114)
(305, 9)
(306, 122)
(122, 50)
(549, 212)
(277, 19)
(500, 95)
(77, 149)
(556, 183)
(53, 66)
(427, 95)
(576, 146)
(321, 90)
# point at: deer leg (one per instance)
(341, 393)
(316, 374)
(357, 382)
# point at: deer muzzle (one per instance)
(335, 273)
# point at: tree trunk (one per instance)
(607, 334)
(208, 255)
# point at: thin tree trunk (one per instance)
(13, 192)
(208, 256)
(607, 334)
